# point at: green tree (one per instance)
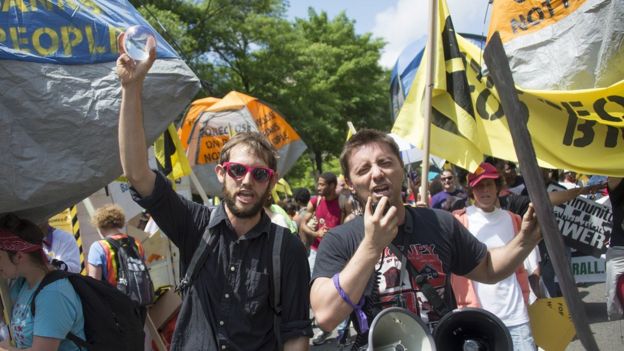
(316, 71)
(336, 78)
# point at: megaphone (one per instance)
(472, 329)
(397, 329)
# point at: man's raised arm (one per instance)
(132, 145)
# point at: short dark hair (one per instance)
(302, 196)
(255, 141)
(329, 177)
(365, 137)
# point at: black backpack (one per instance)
(133, 278)
(111, 320)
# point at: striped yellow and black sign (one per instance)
(75, 227)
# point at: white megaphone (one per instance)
(472, 329)
(397, 329)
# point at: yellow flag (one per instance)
(283, 187)
(351, 130)
(551, 324)
(468, 121)
(170, 155)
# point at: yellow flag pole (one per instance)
(431, 53)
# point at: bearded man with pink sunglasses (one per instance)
(228, 304)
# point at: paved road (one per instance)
(608, 334)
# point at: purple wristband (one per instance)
(361, 316)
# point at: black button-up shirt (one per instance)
(229, 305)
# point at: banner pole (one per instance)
(199, 187)
(517, 117)
(431, 54)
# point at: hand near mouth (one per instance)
(380, 225)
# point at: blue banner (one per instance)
(68, 31)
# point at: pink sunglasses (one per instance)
(239, 170)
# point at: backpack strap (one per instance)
(116, 244)
(50, 278)
(121, 256)
(199, 258)
(318, 199)
(277, 284)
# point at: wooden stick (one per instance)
(431, 56)
(154, 334)
(517, 117)
(199, 188)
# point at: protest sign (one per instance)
(210, 123)
(588, 269)
(58, 120)
(551, 325)
(561, 44)
(584, 224)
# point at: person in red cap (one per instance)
(57, 305)
(508, 298)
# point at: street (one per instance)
(608, 334)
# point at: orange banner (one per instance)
(514, 18)
(211, 122)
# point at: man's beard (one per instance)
(230, 202)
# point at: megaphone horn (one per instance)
(472, 329)
(397, 329)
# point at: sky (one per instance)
(398, 22)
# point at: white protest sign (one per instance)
(588, 269)
(120, 195)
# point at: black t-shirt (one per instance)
(434, 242)
(228, 305)
(617, 205)
(517, 204)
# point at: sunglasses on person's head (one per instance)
(239, 170)
(446, 178)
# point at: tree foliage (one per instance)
(316, 71)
